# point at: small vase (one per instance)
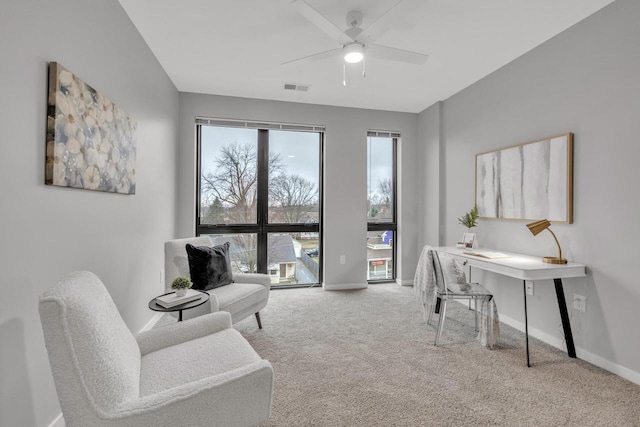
(181, 292)
(469, 240)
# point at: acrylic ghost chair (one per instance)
(451, 284)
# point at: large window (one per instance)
(381, 206)
(259, 188)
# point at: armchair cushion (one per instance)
(209, 267)
(175, 365)
(235, 299)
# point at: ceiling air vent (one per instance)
(295, 86)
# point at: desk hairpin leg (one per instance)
(526, 322)
(564, 315)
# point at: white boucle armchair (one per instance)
(246, 296)
(200, 372)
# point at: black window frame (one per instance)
(393, 224)
(262, 228)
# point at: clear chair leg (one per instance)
(475, 302)
(443, 309)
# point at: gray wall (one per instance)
(345, 181)
(430, 197)
(47, 231)
(586, 81)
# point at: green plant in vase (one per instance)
(469, 220)
(180, 285)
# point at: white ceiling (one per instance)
(236, 47)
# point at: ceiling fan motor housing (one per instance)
(354, 18)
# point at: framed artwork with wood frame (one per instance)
(527, 181)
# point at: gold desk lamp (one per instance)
(535, 228)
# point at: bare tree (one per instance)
(234, 182)
(233, 188)
(242, 248)
(294, 194)
(247, 245)
(385, 188)
(380, 202)
(230, 193)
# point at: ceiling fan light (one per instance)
(353, 53)
(353, 57)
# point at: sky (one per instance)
(298, 151)
(380, 160)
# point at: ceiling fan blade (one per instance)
(399, 55)
(317, 56)
(321, 22)
(377, 27)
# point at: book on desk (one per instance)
(486, 254)
(172, 300)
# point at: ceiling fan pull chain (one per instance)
(364, 62)
(344, 74)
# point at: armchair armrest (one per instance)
(210, 401)
(262, 279)
(180, 332)
(213, 301)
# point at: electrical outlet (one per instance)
(343, 259)
(579, 302)
(529, 288)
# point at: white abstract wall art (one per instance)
(91, 142)
(528, 181)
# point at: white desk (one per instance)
(526, 267)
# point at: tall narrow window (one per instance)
(381, 206)
(259, 188)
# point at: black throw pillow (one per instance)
(210, 267)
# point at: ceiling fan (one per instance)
(355, 42)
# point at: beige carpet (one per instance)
(366, 358)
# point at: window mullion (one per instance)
(198, 177)
(262, 198)
(394, 169)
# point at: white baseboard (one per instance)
(152, 322)
(344, 286)
(58, 422)
(404, 282)
(533, 332)
(582, 354)
(608, 365)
